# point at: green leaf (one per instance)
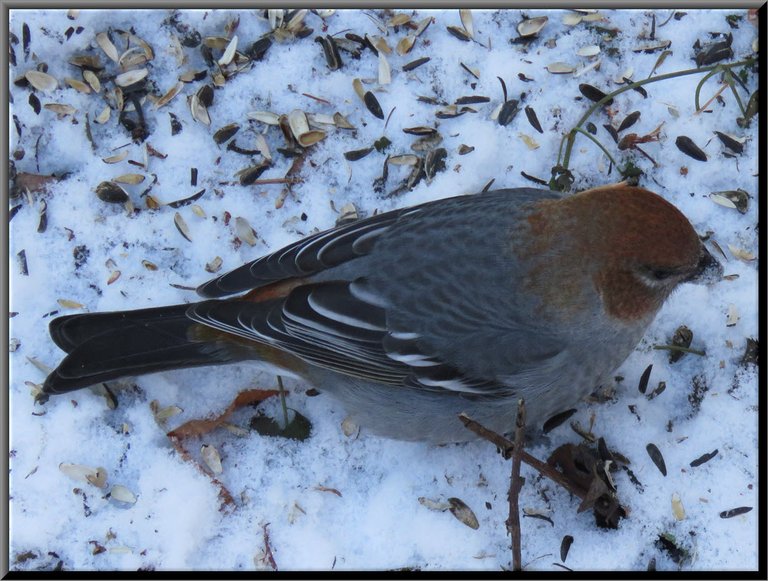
(299, 428)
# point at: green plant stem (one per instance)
(732, 84)
(282, 399)
(703, 80)
(570, 137)
(600, 145)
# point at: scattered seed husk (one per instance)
(61, 109)
(79, 86)
(85, 474)
(214, 265)
(212, 458)
(529, 141)
(461, 511)
(43, 214)
(688, 147)
(565, 546)
(738, 199)
(405, 45)
(420, 130)
(629, 121)
(131, 77)
(732, 142)
(735, 512)
(471, 100)
(348, 213)
(465, 149)
(625, 77)
(379, 43)
(226, 133)
(357, 154)
(587, 51)
(557, 420)
(41, 81)
(165, 99)
(103, 117)
(129, 178)
(658, 391)
(459, 33)
(121, 494)
(533, 119)
(572, 19)
(112, 193)
(266, 117)
(229, 52)
(435, 505)
(657, 458)
(244, 231)
(399, 19)
(508, 112)
(198, 110)
(653, 46)
(531, 26)
(405, 159)
(678, 510)
(474, 72)
(560, 68)
(466, 21)
(250, 174)
(349, 428)
(181, 226)
(92, 80)
(102, 39)
(593, 93)
(40, 365)
(741, 254)
(331, 52)
(341, 122)
(733, 316)
(13, 345)
(34, 102)
(595, 64)
(311, 137)
(427, 143)
(67, 304)
(643, 385)
(415, 64)
(186, 201)
(149, 265)
(682, 338)
(704, 458)
(113, 276)
(87, 62)
(372, 103)
(385, 71)
(434, 162)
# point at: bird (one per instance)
(411, 317)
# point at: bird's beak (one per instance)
(708, 270)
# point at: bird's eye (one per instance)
(661, 273)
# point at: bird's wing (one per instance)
(335, 325)
(383, 331)
(333, 247)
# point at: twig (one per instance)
(722, 88)
(507, 446)
(224, 495)
(515, 484)
(268, 549)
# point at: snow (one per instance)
(282, 486)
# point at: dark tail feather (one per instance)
(107, 346)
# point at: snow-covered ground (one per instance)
(352, 502)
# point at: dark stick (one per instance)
(515, 484)
(507, 446)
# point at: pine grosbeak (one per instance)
(413, 316)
